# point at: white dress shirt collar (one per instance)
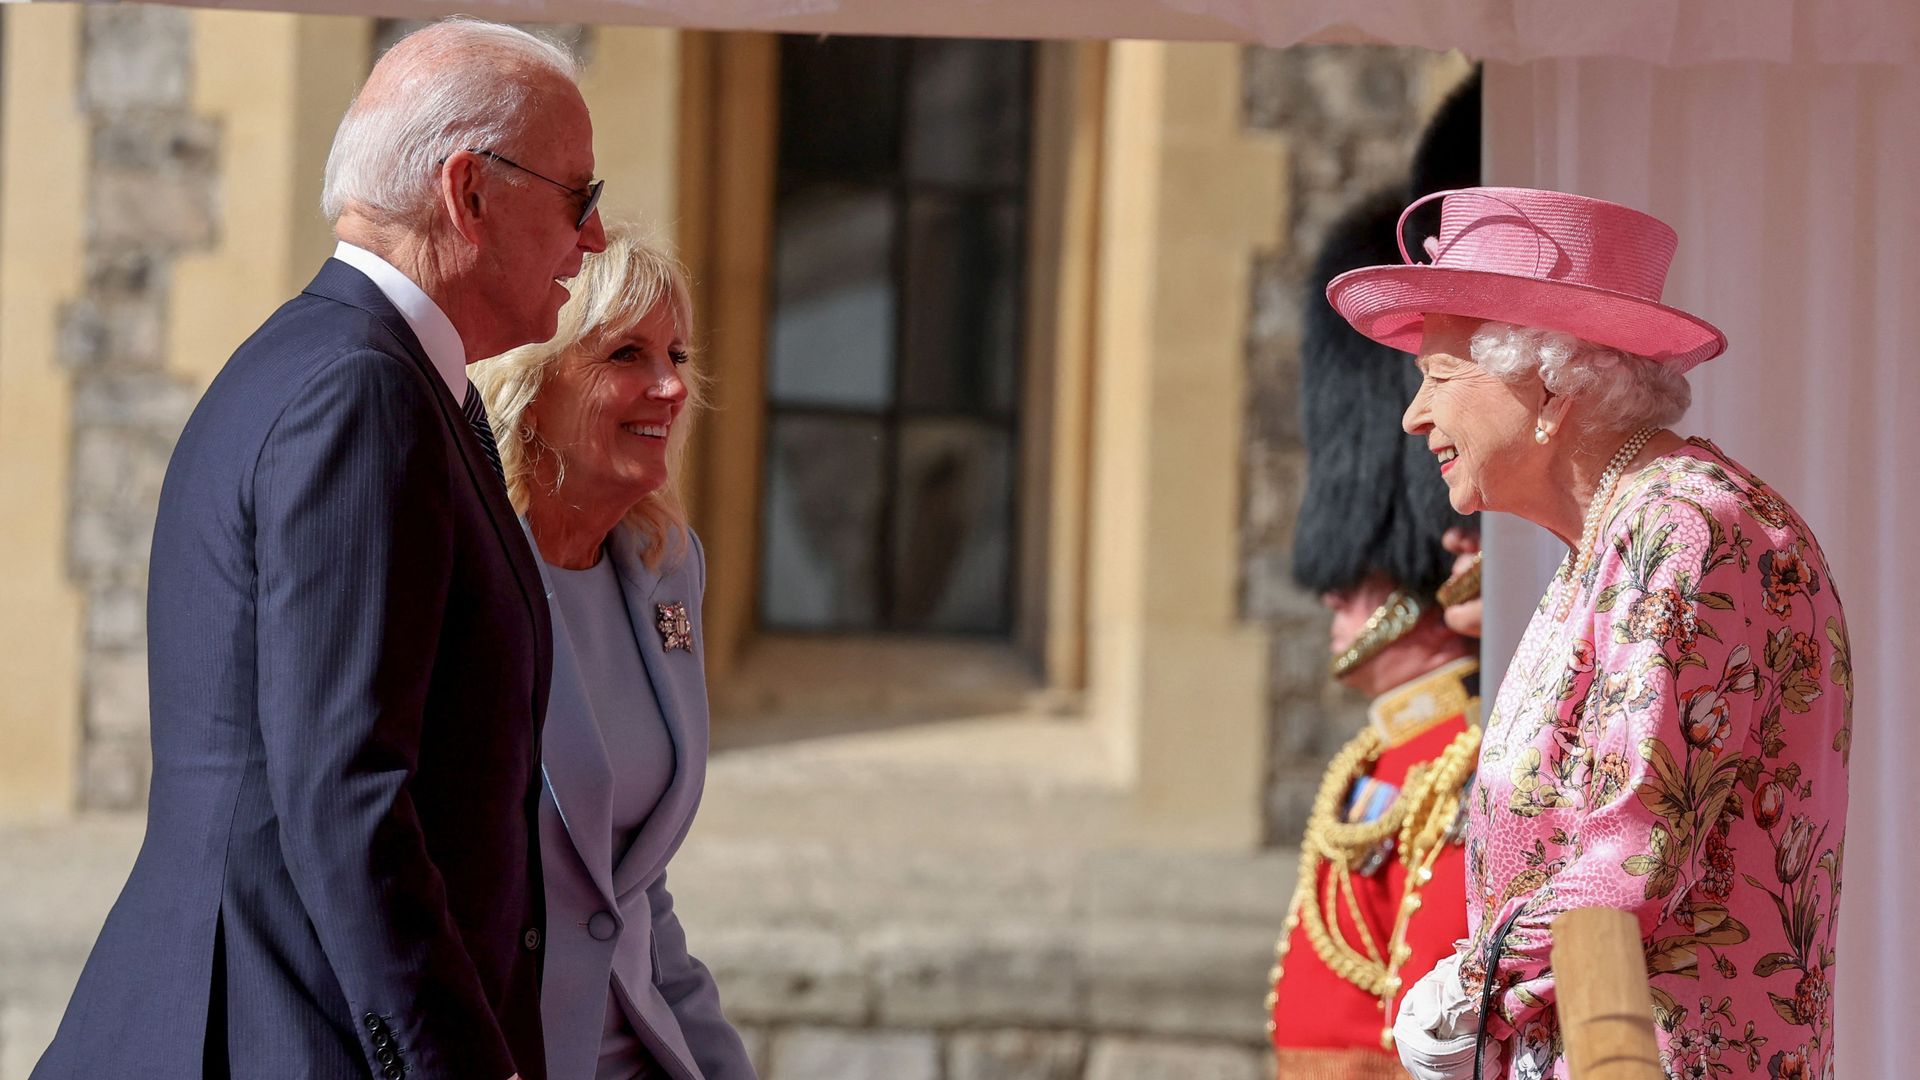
(429, 324)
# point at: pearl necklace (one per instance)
(1602, 497)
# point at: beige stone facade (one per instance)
(1164, 688)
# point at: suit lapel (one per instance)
(342, 283)
(679, 685)
(574, 758)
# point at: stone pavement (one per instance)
(864, 923)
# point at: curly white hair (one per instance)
(1617, 390)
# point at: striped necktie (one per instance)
(476, 412)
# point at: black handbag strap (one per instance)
(1489, 983)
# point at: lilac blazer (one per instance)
(604, 918)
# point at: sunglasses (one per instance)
(591, 193)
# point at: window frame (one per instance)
(729, 146)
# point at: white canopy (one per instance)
(1669, 32)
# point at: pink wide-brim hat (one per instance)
(1544, 259)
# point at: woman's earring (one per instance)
(1540, 433)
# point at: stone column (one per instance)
(151, 195)
(42, 217)
(1177, 677)
(175, 204)
(632, 87)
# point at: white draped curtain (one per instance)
(1794, 189)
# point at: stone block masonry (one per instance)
(842, 962)
(152, 194)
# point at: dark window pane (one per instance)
(834, 300)
(895, 334)
(821, 538)
(839, 108)
(953, 527)
(962, 304)
(967, 112)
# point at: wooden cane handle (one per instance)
(1606, 1013)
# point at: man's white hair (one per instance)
(459, 84)
(1617, 390)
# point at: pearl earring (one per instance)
(1540, 434)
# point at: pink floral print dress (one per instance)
(1676, 746)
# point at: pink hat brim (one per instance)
(1390, 303)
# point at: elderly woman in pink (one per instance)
(1671, 737)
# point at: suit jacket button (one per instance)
(381, 1040)
(601, 926)
(393, 1072)
(531, 939)
(385, 1057)
(372, 1022)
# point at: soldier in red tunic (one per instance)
(1381, 894)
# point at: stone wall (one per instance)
(853, 958)
(811, 1053)
(152, 192)
(859, 957)
(1350, 116)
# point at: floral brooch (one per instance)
(676, 629)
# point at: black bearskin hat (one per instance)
(1374, 498)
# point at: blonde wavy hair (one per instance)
(615, 291)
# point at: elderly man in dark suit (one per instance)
(348, 638)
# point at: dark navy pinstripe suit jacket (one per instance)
(349, 651)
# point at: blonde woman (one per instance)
(590, 426)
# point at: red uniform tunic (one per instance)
(1324, 1026)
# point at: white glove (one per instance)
(1436, 1025)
